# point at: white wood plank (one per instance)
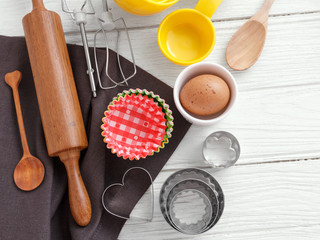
(12, 12)
(268, 201)
(277, 115)
(228, 9)
(286, 56)
(270, 127)
(293, 233)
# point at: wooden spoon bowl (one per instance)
(245, 46)
(28, 173)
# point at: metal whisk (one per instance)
(79, 17)
(108, 23)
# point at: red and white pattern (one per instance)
(134, 126)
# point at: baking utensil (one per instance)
(137, 123)
(144, 7)
(187, 36)
(29, 172)
(108, 23)
(79, 16)
(58, 101)
(198, 69)
(221, 149)
(181, 188)
(192, 206)
(246, 44)
(107, 202)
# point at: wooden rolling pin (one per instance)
(58, 101)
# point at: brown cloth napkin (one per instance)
(44, 213)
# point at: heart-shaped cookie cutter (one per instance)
(148, 219)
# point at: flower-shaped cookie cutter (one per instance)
(221, 149)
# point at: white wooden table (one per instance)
(273, 192)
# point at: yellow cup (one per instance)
(144, 7)
(187, 36)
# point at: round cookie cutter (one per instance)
(185, 193)
(203, 179)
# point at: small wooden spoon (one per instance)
(247, 43)
(29, 172)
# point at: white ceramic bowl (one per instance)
(196, 70)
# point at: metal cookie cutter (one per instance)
(108, 23)
(117, 212)
(80, 18)
(191, 201)
(221, 149)
(200, 200)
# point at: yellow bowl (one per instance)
(144, 7)
(187, 36)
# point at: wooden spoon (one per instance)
(29, 172)
(247, 43)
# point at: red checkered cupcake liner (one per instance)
(137, 123)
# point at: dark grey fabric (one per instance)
(44, 213)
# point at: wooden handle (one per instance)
(78, 196)
(38, 4)
(13, 80)
(263, 14)
(267, 5)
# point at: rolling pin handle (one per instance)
(78, 196)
